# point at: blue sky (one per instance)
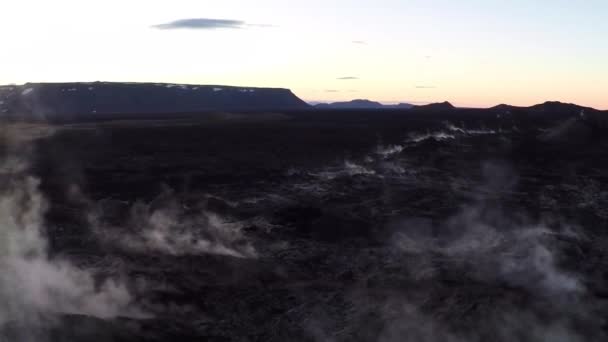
(473, 53)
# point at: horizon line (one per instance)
(313, 102)
(455, 104)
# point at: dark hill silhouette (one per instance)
(361, 104)
(559, 107)
(553, 107)
(504, 108)
(443, 106)
(55, 100)
(402, 106)
(354, 104)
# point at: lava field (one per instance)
(305, 226)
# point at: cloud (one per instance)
(206, 24)
(332, 91)
(360, 42)
(425, 87)
(346, 78)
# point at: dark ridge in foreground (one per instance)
(377, 226)
(336, 225)
(60, 100)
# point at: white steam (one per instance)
(348, 169)
(31, 283)
(437, 136)
(164, 226)
(465, 131)
(521, 256)
(451, 132)
(388, 151)
(494, 244)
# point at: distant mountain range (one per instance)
(362, 104)
(52, 100)
(443, 106)
(59, 101)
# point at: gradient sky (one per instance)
(470, 52)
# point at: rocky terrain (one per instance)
(434, 224)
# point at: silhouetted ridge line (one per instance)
(58, 100)
(361, 104)
(442, 106)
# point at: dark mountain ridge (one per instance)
(58, 100)
(442, 106)
(107, 100)
(554, 107)
(362, 104)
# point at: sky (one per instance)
(476, 53)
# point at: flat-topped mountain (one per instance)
(57, 100)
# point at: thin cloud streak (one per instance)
(206, 24)
(347, 78)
